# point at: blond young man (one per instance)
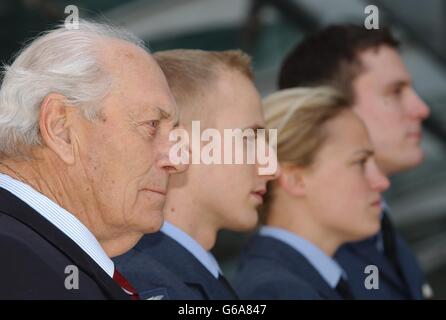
(215, 88)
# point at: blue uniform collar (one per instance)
(327, 267)
(206, 258)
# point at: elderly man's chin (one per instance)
(150, 221)
(149, 213)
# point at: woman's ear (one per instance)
(291, 180)
(55, 126)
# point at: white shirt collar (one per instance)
(327, 267)
(61, 219)
(206, 258)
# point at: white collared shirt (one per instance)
(327, 267)
(206, 258)
(61, 219)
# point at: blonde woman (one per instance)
(329, 193)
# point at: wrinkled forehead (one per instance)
(137, 80)
(126, 62)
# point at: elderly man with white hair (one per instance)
(85, 117)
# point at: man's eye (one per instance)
(398, 91)
(153, 124)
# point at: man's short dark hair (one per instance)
(331, 57)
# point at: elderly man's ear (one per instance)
(292, 180)
(56, 126)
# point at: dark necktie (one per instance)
(389, 243)
(344, 289)
(125, 285)
(225, 283)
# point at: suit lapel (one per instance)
(368, 252)
(16, 208)
(182, 263)
(409, 268)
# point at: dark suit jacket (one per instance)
(191, 279)
(34, 255)
(354, 257)
(151, 279)
(271, 269)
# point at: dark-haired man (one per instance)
(366, 65)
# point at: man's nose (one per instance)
(418, 108)
(169, 160)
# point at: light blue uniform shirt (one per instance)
(206, 258)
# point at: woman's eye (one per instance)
(362, 162)
(398, 91)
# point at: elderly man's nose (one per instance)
(174, 156)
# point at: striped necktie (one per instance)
(125, 285)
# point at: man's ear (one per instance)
(291, 180)
(55, 126)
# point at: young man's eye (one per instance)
(362, 162)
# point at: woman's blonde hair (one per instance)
(300, 115)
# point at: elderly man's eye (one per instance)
(152, 126)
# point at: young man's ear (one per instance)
(55, 126)
(291, 180)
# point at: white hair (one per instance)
(63, 61)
